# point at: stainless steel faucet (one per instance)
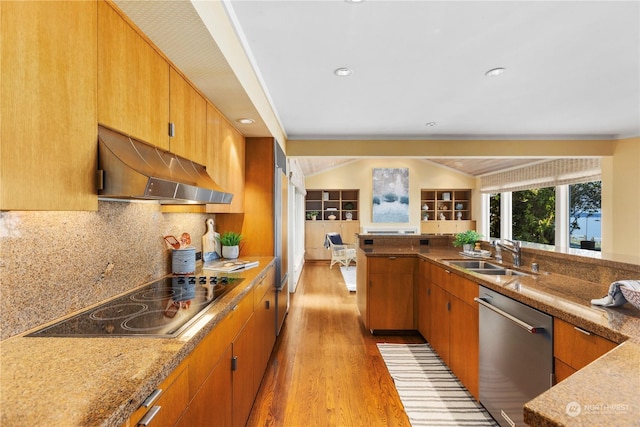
(515, 250)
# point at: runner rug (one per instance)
(430, 393)
(349, 276)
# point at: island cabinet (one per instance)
(424, 299)
(133, 79)
(389, 294)
(48, 129)
(455, 324)
(574, 348)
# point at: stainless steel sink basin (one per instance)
(498, 271)
(485, 267)
(469, 264)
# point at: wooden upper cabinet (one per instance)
(133, 80)
(48, 106)
(225, 160)
(188, 114)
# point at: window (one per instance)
(494, 216)
(534, 215)
(585, 202)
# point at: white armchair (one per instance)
(342, 253)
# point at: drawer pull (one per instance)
(582, 330)
(152, 398)
(392, 257)
(148, 417)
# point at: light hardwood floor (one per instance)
(326, 369)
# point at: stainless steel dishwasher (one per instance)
(516, 355)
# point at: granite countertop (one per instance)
(97, 381)
(605, 392)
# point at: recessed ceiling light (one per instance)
(431, 124)
(354, 1)
(494, 72)
(246, 121)
(343, 72)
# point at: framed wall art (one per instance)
(390, 195)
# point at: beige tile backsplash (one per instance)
(55, 263)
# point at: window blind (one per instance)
(547, 174)
(296, 175)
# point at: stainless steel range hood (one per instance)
(132, 169)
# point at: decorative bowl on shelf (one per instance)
(331, 217)
(348, 216)
(632, 296)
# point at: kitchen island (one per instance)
(602, 393)
(51, 381)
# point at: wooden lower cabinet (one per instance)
(243, 363)
(172, 400)
(574, 348)
(440, 322)
(391, 293)
(213, 404)
(455, 325)
(424, 299)
(264, 311)
(226, 368)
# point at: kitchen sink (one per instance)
(485, 267)
(471, 264)
(498, 271)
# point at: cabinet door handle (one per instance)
(429, 291)
(392, 257)
(582, 330)
(152, 398)
(447, 271)
(234, 363)
(149, 416)
(267, 304)
(448, 306)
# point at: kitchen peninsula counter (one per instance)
(604, 392)
(48, 381)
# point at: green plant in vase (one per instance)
(230, 242)
(312, 215)
(466, 239)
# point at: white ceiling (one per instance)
(572, 67)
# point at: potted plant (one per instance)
(466, 239)
(312, 215)
(230, 242)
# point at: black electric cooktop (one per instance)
(161, 309)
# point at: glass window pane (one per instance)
(494, 216)
(533, 215)
(585, 203)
